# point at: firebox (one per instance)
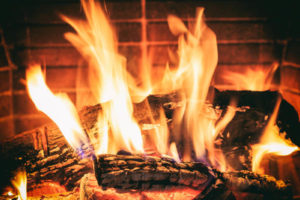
(203, 98)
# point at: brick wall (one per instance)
(249, 34)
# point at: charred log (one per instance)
(147, 172)
(263, 102)
(47, 156)
(216, 191)
(144, 172)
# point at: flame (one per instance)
(252, 78)
(116, 89)
(108, 79)
(20, 183)
(174, 152)
(57, 106)
(271, 142)
(197, 52)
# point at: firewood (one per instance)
(73, 195)
(147, 172)
(90, 190)
(246, 181)
(215, 192)
(47, 156)
(144, 172)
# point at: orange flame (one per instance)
(20, 183)
(197, 51)
(115, 89)
(57, 106)
(271, 142)
(253, 78)
(108, 79)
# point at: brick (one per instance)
(293, 99)
(52, 56)
(61, 77)
(45, 13)
(249, 53)
(159, 31)
(124, 9)
(215, 9)
(292, 54)
(133, 57)
(3, 60)
(128, 32)
(19, 78)
(49, 34)
(26, 124)
(15, 34)
(5, 106)
(22, 104)
(241, 30)
(4, 81)
(226, 31)
(290, 78)
(42, 13)
(228, 53)
(6, 129)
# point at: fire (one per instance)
(256, 78)
(20, 183)
(108, 79)
(116, 89)
(57, 106)
(197, 52)
(271, 142)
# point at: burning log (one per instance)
(140, 172)
(144, 172)
(47, 156)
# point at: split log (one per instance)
(143, 172)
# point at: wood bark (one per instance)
(47, 156)
(147, 172)
(142, 172)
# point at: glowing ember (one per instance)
(57, 106)
(272, 142)
(20, 183)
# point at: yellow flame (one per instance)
(20, 183)
(174, 152)
(107, 75)
(271, 142)
(252, 78)
(56, 106)
(116, 89)
(197, 51)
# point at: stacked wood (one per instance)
(47, 156)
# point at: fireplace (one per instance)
(250, 35)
